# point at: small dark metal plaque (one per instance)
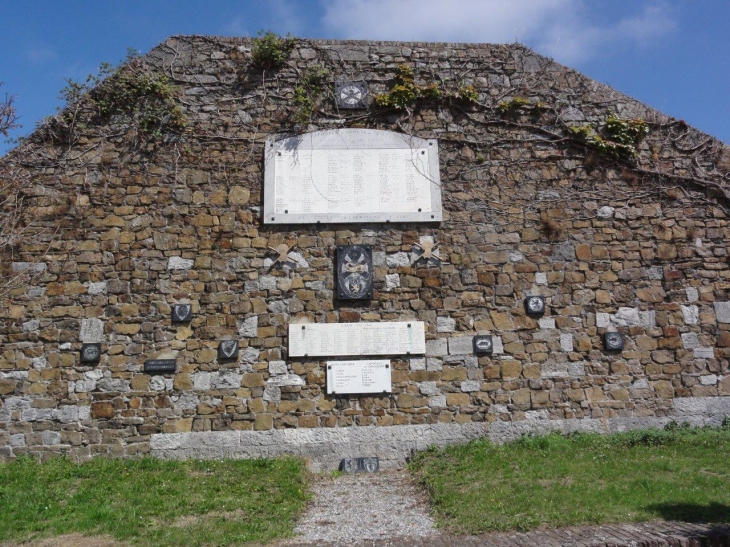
(228, 349)
(613, 341)
(483, 344)
(182, 313)
(90, 353)
(354, 272)
(360, 465)
(160, 366)
(351, 95)
(535, 305)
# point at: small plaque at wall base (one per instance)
(182, 313)
(360, 465)
(228, 349)
(483, 344)
(160, 366)
(354, 272)
(535, 305)
(613, 341)
(90, 353)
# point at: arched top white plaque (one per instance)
(351, 175)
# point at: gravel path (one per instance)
(351, 508)
(386, 509)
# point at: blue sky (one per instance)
(669, 54)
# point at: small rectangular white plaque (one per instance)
(351, 175)
(358, 377)
(333, 339)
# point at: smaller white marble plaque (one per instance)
(335, 339)
(358, 377)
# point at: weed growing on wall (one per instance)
(618, 138)
(270, 51)
(125, 95)
(405, 92)
(308, 92)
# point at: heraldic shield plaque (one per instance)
(354, 272)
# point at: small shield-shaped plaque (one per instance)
(354, 272)
(182, 313)
(613, 341)
(535, 305)
(90, 353)
(483, 344)
(228, 349)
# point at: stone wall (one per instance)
(120, 228)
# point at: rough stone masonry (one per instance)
(119, 224)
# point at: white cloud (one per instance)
(573, 40)
(281, 16)
(40, 54)
(560, 28)
(236, 27)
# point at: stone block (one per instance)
(603, 320)
(690, 314)
(449, 374)
(722, 312)
(692, 294)
(703, 353)
(263, 422)
(252, 379)
(546, 323)
(437, 348)
(428, 388)
(418, 363)
(285, 380)
(249, 327)
(469, 386)
(392, 281)
(511, 369)
(498, 347)
(690, 340)
(178, 263)
(277, 367)
(445, 324)
(566, 342)
(457, 399)
(461, 345)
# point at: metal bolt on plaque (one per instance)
(182, 313)
(228, 349)
(90, 353)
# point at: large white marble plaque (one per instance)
(333, 339)
(351, 175)
(358, 377)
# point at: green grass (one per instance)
(678, 473)
(153, 502)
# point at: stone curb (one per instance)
(654, 534)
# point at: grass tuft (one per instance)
(153, 502)
(678, 473)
